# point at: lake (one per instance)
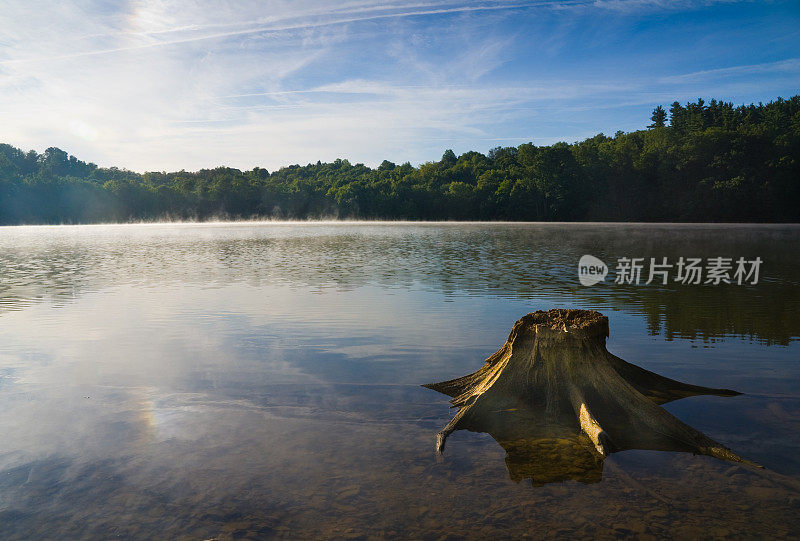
(249, 380)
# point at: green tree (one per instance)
(659, 117)
(448, 158)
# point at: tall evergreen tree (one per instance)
(659, 117)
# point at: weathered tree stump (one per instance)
(554, 380)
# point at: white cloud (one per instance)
(146, 88)
(638, 5)
(158, 85)
(789, 66)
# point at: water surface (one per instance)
(247, 380)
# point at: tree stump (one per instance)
(555, 381)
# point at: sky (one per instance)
(190, 84)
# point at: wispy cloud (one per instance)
(151, 21)
(193, 33)
(788, 66)
(183, 84)
(638, 5)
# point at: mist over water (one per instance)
(263, 379)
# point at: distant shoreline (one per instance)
(712, 163)
(329, 222)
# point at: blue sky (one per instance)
(163, 85)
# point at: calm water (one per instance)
(226, 381)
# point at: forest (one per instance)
(698, 162)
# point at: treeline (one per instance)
(706, 162)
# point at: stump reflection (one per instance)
(541, 453)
